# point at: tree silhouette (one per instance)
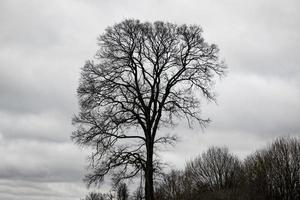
(144, 77)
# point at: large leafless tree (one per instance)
(145, 76)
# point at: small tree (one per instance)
(216, 170)
(146, 75)
(138, 194)
(97, 196)
(274, 173)
(171, 187)
(122, 192)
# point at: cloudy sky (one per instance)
(43, 45)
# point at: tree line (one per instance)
(272, 173)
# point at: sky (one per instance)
(44, 44)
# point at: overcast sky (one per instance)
(43, 45)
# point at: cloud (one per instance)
(41, 161)
(267, 107)
(46, 126)
(26, 190)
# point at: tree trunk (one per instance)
(149, 190)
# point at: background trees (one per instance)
(145, 76)
(216, 170)
(122, 192)
(272, 173)
(172, 186)
(98, 196)
(216, 174)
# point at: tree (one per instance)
(216, 174)
(274, 173)
(98, 196)
(138, 194)
(122, 192)
(257, 169)
(171, 187)
(216, 171)
(144, 77)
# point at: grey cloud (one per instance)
(255, 105)
(51, 126)
(27, 190)
(264, 40)
(41, 161)
(26, 24)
